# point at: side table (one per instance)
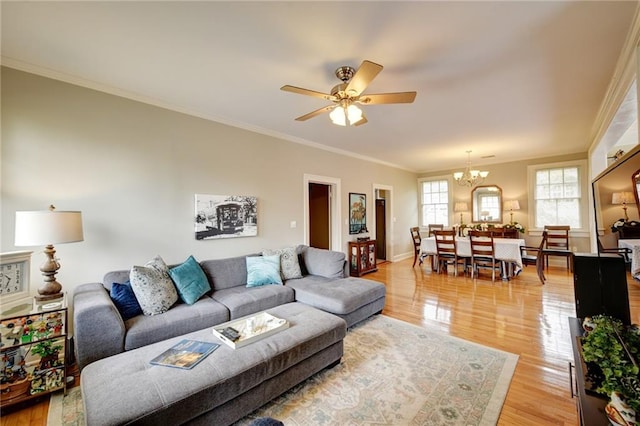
(33, 346)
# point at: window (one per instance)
(557, 194)
(434, 200)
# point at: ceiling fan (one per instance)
(347, 94)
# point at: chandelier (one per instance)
(347, 111)
(470, 177)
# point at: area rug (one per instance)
(392, 373)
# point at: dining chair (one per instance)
(435, 227)
(535, 256)
(446, 250)
(417, 240)
(483, 253)
(558, 243)
(510, 233)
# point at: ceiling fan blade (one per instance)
(388, 98)
(316, 112)
(366, 73)
(301, 91)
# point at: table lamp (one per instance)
(511, 206)
(622, 198)
(460, 208)
(48, 227)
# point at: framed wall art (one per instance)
(357, 213)
(225, 216)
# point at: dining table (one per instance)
(634, 245)
(507, 250)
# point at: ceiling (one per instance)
(513, 80)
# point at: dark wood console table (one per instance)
(590, 408)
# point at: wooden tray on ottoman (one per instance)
(264, 325)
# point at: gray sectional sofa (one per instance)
(100, 331)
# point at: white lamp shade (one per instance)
(460, 207)
(512, 205)
(39, 228)
(622, 197)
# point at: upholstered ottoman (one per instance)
(222, 388)
(352, 299)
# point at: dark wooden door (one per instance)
(381, 229)
(319, 216)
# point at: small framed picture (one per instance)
(357, 213)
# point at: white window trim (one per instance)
(449, 180)
(584, 230)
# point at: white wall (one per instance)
(133, 169)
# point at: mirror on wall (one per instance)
(486, 202)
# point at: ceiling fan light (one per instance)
(338, 116)
(354, 114)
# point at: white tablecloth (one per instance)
(506, 249)
(634, 245)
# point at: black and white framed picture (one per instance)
(357, 213)
(225, 216)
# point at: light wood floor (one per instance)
(519, 316)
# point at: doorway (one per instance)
(383, 221)
(319, 215)
(317, 210)
(381, 229)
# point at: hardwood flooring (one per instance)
(520, 316)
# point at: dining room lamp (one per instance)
(622, 198)
(46, 228)
(460, 208)
(511, 206)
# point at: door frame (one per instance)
(335, 219)
(389, 214)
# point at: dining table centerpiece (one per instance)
(515, 225)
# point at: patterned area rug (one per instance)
(392, 373)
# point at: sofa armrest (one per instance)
(99, 330)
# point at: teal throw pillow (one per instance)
(262, 270)
(190, 280)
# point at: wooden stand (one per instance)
(362, 257)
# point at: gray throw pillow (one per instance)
(153, 287)
(289, 266)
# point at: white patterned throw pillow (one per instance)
(153, 287)
(289, 266)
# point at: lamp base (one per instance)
(47, 297)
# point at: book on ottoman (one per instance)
(185, 354)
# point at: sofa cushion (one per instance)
(180, 319)
(153, 286)
(289, 265)
(263, 270)
(243, 301)
(340, 296)
(326, 263)
(226, 273)
(125, 300)
(190, 281)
